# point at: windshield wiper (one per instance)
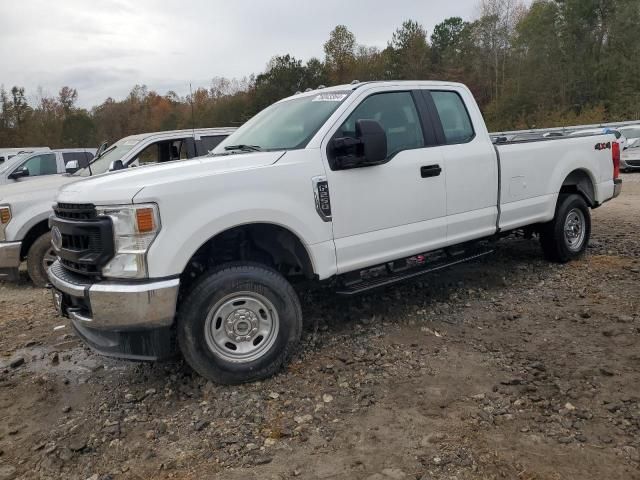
(103, 153)
(244, 148)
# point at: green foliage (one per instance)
(410, 51)
(555, 63)
(340, 54)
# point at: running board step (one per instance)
(394, 278)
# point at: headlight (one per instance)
(5, 218)
(134, 229)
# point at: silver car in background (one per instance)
(630, 156)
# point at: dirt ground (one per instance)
(509, 367)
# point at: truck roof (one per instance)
(392, 83)
(179, 133)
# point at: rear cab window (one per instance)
(454, 117)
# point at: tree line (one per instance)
(553, 63)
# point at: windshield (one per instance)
(286, 125)
(114, 152)
(15, 160)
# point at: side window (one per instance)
(158, 152)
(41, 165)
(149, 155)
(397, 114)
(69, 156)
(175, 153)
(206, 144)
(86, 160)
(83, 158)
(454, 117)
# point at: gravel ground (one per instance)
(509, 367)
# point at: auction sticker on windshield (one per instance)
(330, 97)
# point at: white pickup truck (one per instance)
(25, 207)
(362, 185)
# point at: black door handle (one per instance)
(430, 171)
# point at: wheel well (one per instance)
(32, 235)
(263, 243)
(580, 182)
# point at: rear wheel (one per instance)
(566, 236)
(239, 323)
(39, 258)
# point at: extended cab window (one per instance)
(41, 165)
(454, 117)
(397, 114)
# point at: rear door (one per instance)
(471, 164)
(395, 209)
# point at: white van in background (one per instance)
(7, 153)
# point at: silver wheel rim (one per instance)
(574, 229)
(48, 259)
(241, 327)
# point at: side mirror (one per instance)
(368, 148)
(19, 173)
(116, 165)
(72, 166)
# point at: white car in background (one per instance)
(630, 156)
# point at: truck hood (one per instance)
(34, 189)
(121, 186)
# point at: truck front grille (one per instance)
(85, 240)
(75, 211)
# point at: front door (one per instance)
(395, 209)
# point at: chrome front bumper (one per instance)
(115, 306)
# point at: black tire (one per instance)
(39, 258)
(556, 245)
(196, 326)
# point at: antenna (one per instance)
(193, 119)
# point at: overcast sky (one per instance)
(104, 47)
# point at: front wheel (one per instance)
(566, 236)
(39, 258)
(239, 323)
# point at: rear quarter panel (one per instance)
(532, 174)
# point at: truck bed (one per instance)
(532, 173)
